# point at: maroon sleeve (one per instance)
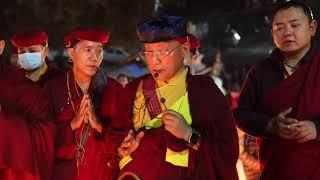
(113, 118)
(64, 140)
(110, 101)
(41, 127)
(218, 152)
(219, 145)
(174, 143)
(27, 106)
(43, 135)
(247, 115)
(24, 97)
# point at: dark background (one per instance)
(249, 18)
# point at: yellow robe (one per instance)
(174, 91)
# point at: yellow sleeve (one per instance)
(124, 161)
(178, 158)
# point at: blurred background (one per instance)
(238, 29)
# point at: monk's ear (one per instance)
(71, 53)
(186, 49)
(313, 27)
(46, 51)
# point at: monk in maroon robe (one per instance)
(26, 135)
(33, 49)
(279, 102)
(194, 140)
(75, 96)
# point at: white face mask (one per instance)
(30, 61)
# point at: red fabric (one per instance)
(10, 74)
(26, 136)
(218, 153)
(194, 42)
(16, 150)
(181, 39)
(8, 173)
(97, 156)
(148, 160)
(152, 102)
(94, 35)
(51, 72)
(29, 37)
(14, 51)
(234, 97)
(282, 159)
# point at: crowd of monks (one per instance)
(169, 124)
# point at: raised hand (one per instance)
(80, 114)
(306, 131)
(176, 124)
(130, 143)
(283, 126)
(93, 118)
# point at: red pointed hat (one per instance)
(94, 35)
(194, 42)
(29, 37)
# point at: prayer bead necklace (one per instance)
(85, 130)
(293, 68)
(142, 106)
(69, 94)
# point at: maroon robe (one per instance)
(218, 153)
(26, 135)
(96, 151)
(51, 72)
(288, 159)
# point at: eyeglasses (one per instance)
(158, 54)
(88, 51)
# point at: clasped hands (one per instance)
(86, 114)
(291, 128)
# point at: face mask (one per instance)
(30, 61)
